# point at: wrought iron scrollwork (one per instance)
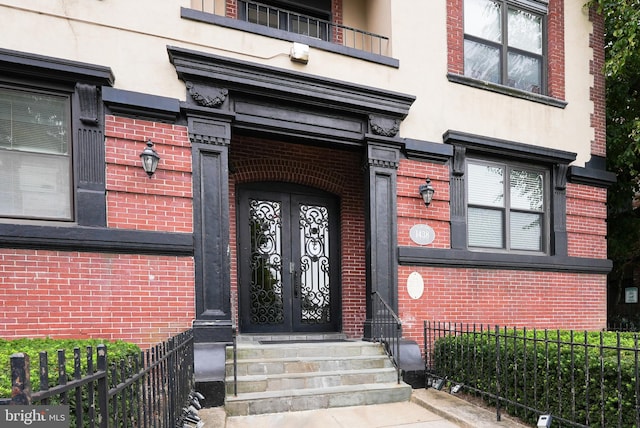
(314, 264)
(267, 306)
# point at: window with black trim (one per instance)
(505, 42)
(507, 197)
(507, 206)
(52, 153)
(35, 154)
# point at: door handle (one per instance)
(294, 275)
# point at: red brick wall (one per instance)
(231, 9)
(141, 299)
(503, 297)
(334, 171)
(555, 34)
(586, 221)
(135, 201)
(411, 209)
(336, 18)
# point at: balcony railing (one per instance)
(293, 22)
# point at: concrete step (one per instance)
(290, 381)
(316, 398)
(249, 367)
(306, 349)
(280, 373)
(288, 337)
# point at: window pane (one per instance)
(486, 185)
(482, 19)
(481, 62)
(527, 190)
(525, 31)
(34, 185)
(35, 166)
(34, 122)
(524, 72)
(485, 228)
(526, 231)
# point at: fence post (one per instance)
(20, 379)
(498, 374)
(103, 387)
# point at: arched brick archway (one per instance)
(339, 172)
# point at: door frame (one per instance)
(293, 192)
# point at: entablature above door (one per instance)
(287, 103)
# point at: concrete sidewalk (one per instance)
(428, 409)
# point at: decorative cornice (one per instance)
(383, 163)
(459, 155)
(496, 146)
(384, 126)
(88, 97)
(137, 104)
(427, 151)
(383, 156)
(208, 139)
(281, 85)
(207, 96)
(591, 177)
(28, 64)
(560, 176)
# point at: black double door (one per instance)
(288, 259)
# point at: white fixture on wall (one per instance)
(299, 53)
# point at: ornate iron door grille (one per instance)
(267, 306)
(315, 287)
(288, 262)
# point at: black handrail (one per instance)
(235, 361)
(386, 328)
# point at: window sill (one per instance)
(223, 21)
(442, 258)
(506, 90)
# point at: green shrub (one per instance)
(116, 350)
(556, 373)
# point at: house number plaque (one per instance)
(422, 234)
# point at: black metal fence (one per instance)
(154, 389)
(580, 379)
(386, 328)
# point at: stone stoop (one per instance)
(277, 374)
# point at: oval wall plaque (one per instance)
(422, 234)
(415, 285)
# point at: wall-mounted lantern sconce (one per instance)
(150, 159)
(427, 191)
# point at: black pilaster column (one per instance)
(210, 138)
(559, 245)
(381, 225)
(458, 200)
(89, 150)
